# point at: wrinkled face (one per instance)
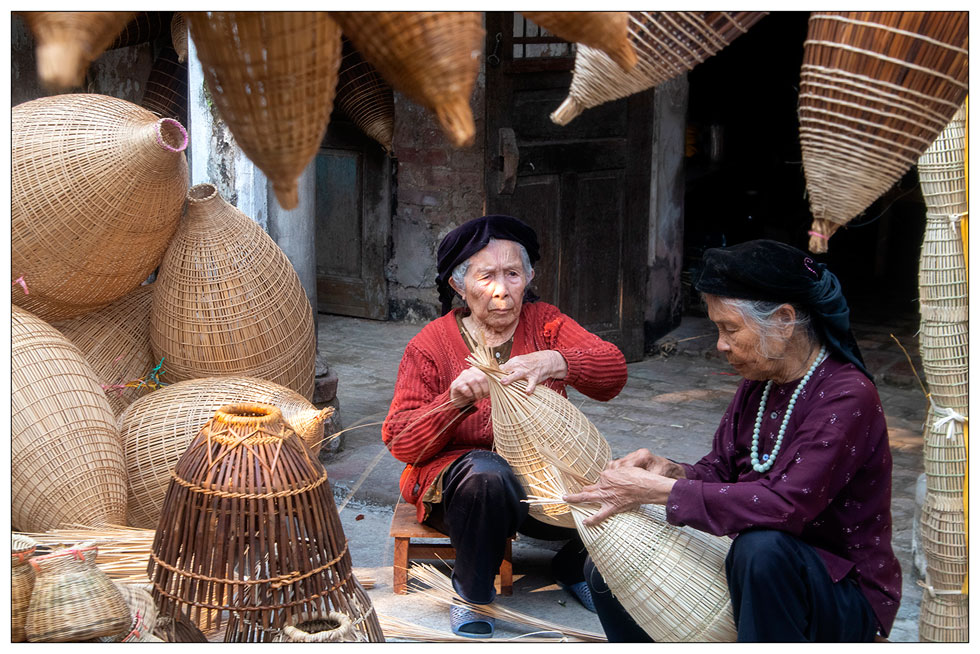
(738, 342)
(494, 285)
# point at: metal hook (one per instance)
(492, 58)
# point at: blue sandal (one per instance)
(582, 593)
(469, 623)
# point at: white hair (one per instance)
(459, 272)
(759, 317)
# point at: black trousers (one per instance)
(780, 590)
(482, 506)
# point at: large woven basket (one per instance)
(227, 301)
(667, 43)
(21, 584)
(433, 57)
(145, 26)
(97, 187)
(944, 618)
(66, 459)
(68, 41)
(142, 612)
(944, 457)
(876, 90)
(72, 599)
(116, 343)
(157, 429)
(178, 35)
(943, 529)
(520, 421)
(365, 98)
(603, 30)
(272, 76)
(163, 93)
(268, 543)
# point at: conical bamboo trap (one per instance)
(227, 301)
(68, 41)
(603, 30)
(944, 457)
(876, 90)
(66, 459)
(667, 43)
(521, 420)
(272, 76)
(945, 350)
(249, 527)
(97, 188)
(21, 584)
(145, 26)
(157, 429)
(364, 96)
(116, 343)
(433, 57)
(142, 612)
(178, 35)
(943, 530)
(944, 618)
(163, 93)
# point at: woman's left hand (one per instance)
(622, 489)
(535, 367)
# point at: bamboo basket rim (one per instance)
(248, 414)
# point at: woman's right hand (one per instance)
(645, 459)
(468, 388)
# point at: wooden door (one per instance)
(353, 222)
(584, 187)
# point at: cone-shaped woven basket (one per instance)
(364, 96)
(178, 35)
(116, 343)
(68, 41)
(21, 584)
(876, 89)
(432, 57)
(142, 612)
(146, 26)
(943, 530)
(520, 420)
(944, 618)
(944, 457)
(227, 301)
(66, 458)
(603, 30)
(945, 350)
(267, 542)
(272, 76)
(72, 599)
(97, 188)
(667, 43)
(157, 429)
(163, 93)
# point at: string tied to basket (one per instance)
(946, 417)
(933, 591)
(954, 218)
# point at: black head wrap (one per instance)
(776, 272)
(471, 237)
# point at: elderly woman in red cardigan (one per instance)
(439, 420)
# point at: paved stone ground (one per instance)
(670, 405)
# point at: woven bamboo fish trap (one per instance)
(945, 350)
(68, 41)
(227, 301)
(944, 457)
(116, 343)
(943, 293)
(943, 530)
(432, 57)
(145, 26)
(157, 429)
(178, 35)
(72, 599)
(667, 44)
(334, 627)
(97, 188)
(249, 527)
(142, 611)
(944, 618)
(272, 76)
(876, 90)
(163, 93)
(365, 98)
(521, 420)
(603, 30)
(21, 584)
(66, 459)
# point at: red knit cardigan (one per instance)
(428, 440)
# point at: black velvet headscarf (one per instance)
(775, 272)
(471, 237)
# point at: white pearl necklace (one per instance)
(770, 459)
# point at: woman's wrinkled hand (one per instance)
(535, 367)
(621, 489)
(468, 388)
(650, 462)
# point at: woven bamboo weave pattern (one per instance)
(144, 27)
(364, 96)
(272, 76)
(66, 459)
(521, 420)
(68, 41)
(21, 584)
(667, 43)
(433, 57)
(72, 599)
(178, 35)
(944, 457)
(876, 90)
(943, 530)
(142, 611)
(116, 343)
(334, 627)
(265, 544)
(946, 362)
(944, 618)
(156, 430)
(227, 301)
(97, 187)
(163, 93)
(602, 30)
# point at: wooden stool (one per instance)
(404, 528)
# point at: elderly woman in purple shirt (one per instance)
(799, 473)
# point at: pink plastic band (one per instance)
(813, 233)
(165, 145)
